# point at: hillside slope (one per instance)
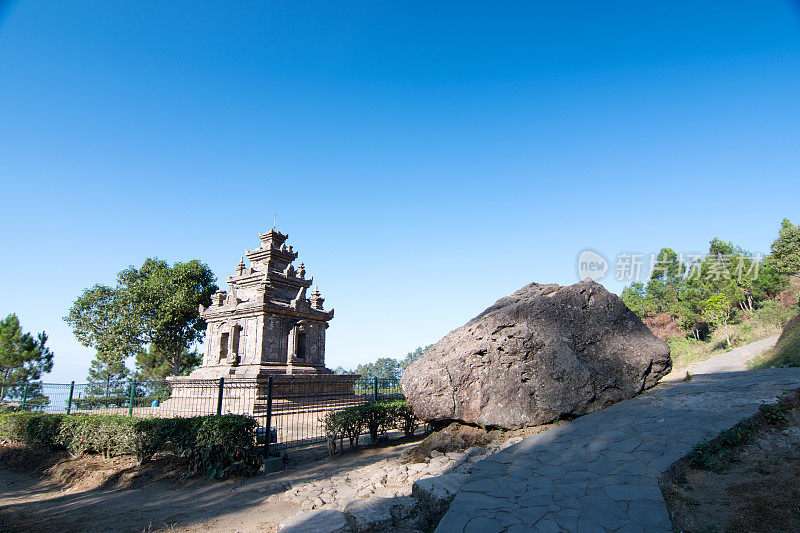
(785, 352)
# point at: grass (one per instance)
(764, 322)
(715, 454)
(786, 351)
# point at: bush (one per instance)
(224, 445)
(31, 429)
(403, 416)
(109, 435)
(377, 417)
(215, 445)
(352, 424)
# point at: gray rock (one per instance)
(374, 514)
(434, 494)
(541, 353)
(327, 521)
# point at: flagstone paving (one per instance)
(600, 472)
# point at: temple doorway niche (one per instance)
(301, 345)
(236, 331)
(297, 342)
(223, 345)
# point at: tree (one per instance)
(660, 297)
(412, 357)
(718, 247)
(156, 305)
(152, 365)
(785, 254)
(23, 357)
(717, 310)
(106, 367)
(768, 283)
(667, 267)
(107, 374)
(382, 368)
(634, 296)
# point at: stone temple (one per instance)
(266, 324)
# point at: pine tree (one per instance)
(786, 249)
(106, 380)
(23, 358)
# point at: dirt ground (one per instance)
(43, 492)
(757, 489)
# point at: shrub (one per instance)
(333, 431)
(403, 416)
(377, 417)
(352, 424)
(224, 445)
(31, 429)
(106, 434)
(215, 445)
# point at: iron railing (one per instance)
(293, 407)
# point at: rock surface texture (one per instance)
(544, 352)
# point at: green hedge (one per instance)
(31, 429)
(215, 445)
(376, 417)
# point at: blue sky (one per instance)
(425, 158)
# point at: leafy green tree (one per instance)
(717, 310)
(383, 368)
(155, 305)
(413, 356)
(635, 297)
(785, 254)
(660, 297)
(23, 357)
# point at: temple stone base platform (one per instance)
(248, 395)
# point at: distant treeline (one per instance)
(701, 294)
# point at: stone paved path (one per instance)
(733, 360)
(600, 472)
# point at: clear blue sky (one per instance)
(426, 158)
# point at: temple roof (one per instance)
(270, 283)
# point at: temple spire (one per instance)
(316, 299)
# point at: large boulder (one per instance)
(542, 353)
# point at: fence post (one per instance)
(130, 403)
(375, 389)
(24, 396)
(108, 380)
(269, 415)
(219, 395)
(71, 392)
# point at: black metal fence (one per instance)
(289, 410)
